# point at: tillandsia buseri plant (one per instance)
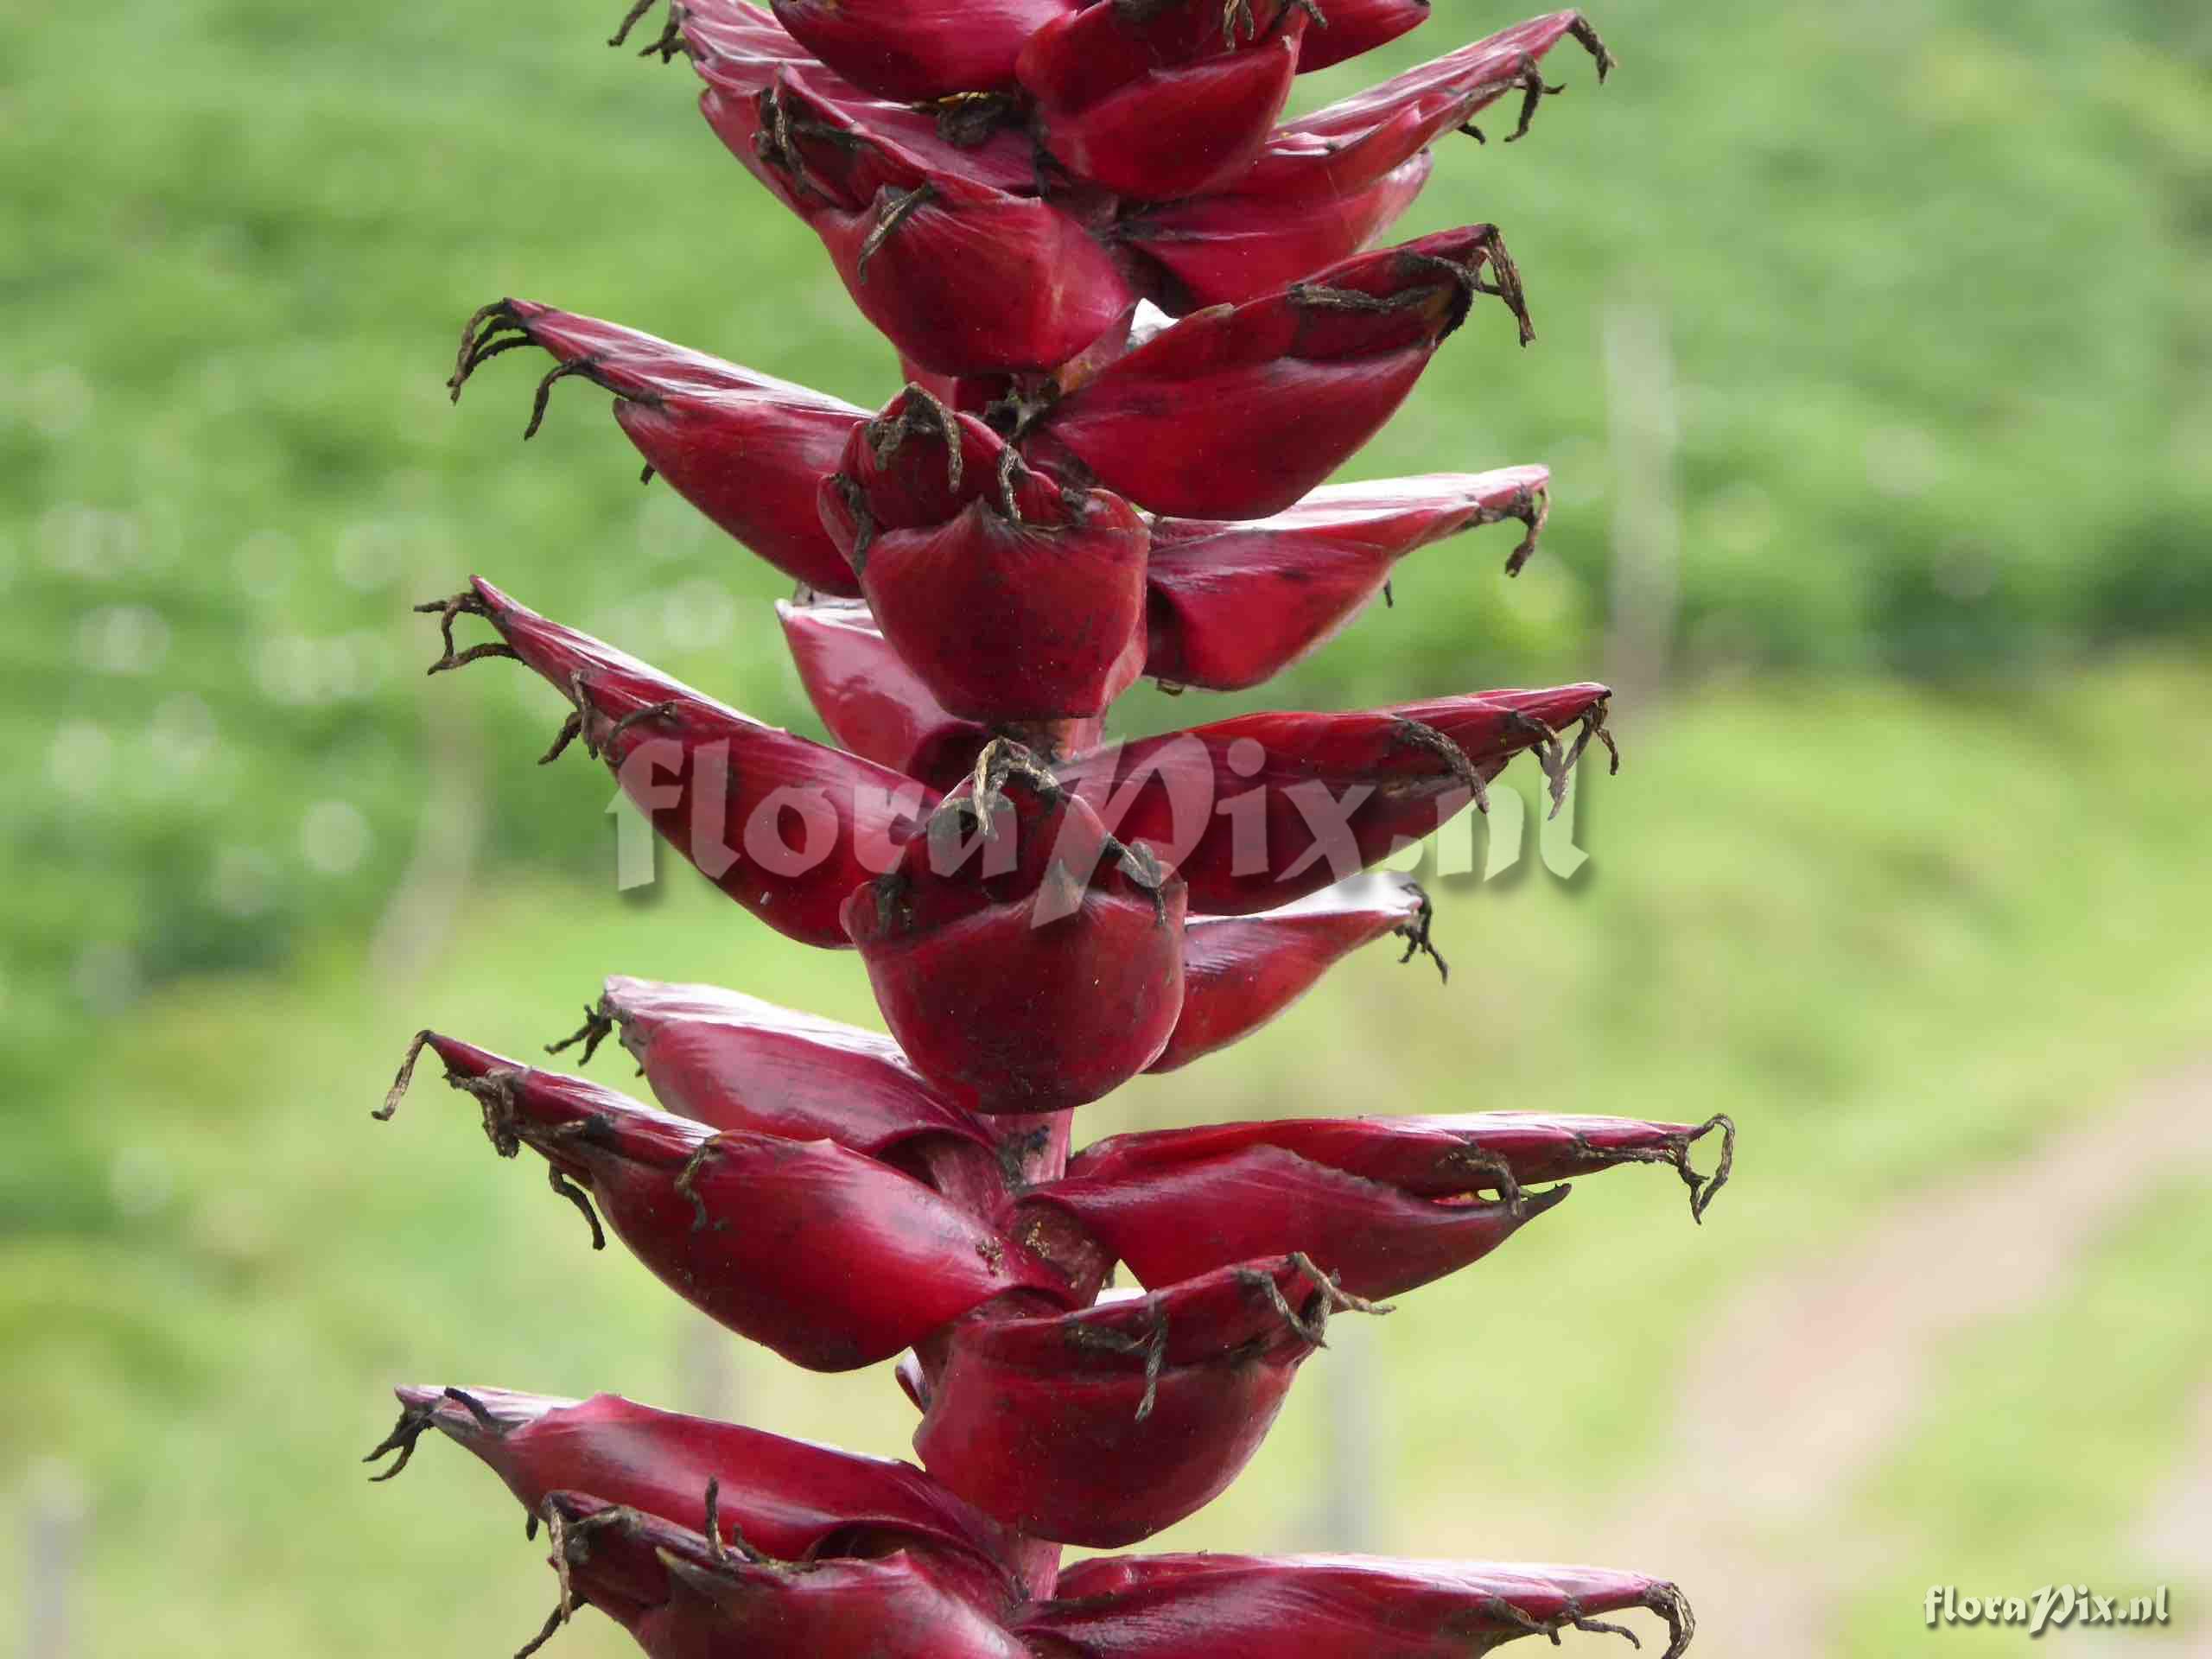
(1139, 322)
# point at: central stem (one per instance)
(1042, 1158)
(1039, 1142)
(1033, 1149)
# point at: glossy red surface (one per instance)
(1234, 604)
(785, 826)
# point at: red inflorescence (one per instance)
(1140, 319)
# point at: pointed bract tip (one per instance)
(600, 1019)
(670, 44)
(1415, 931)
(469, 602)
(1585, 33)
(399, 1083)
(1533, 507)
(612, 358)
(1705, 1189)
(501, 326)
(457, 1411)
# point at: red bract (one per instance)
(895, 1608)
(740, 51)
(1237, 412)
(734, 1062)
(913, 50)
(747, 450)
(612, 1559)
(1177, 1216)
(1439, 1157)
(791, 1499)
(685, 1595)
(1483, 71)
(1301, 207)
(1021, 956)
(784, 826)
(963, 277)
(917, 464)
(1103, 1426)
(1014, 600)
(872, 703)
(1259, 810)
(731, 1061)
(1357, 26)
(1326, 185)
(1239, 972)
(1162, 97)
(830, 1258)
(877, 707)
(1234, 604)
(1331, 1607)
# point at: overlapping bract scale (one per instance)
(703, 1537)
(1071, 158)
(1324, 186)
(1103, 1426)
(917, 50)
(1023, 954)
(1163, 99)
(1391, 1203)
(1333, 1607)
(833, 1259)
(1233, 604)
(790, 1499)
(1237, 412)
(748, 450)
(785, 826)
(1018, 600)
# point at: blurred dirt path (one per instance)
(1808, 1376)
(2176, 1531)
(2173, 1537)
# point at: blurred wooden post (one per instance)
(1353, 1470)
(52, 1519)
(449, 832)
(706, 1369)
(1645, 436)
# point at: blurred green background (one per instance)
(1875, 366)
